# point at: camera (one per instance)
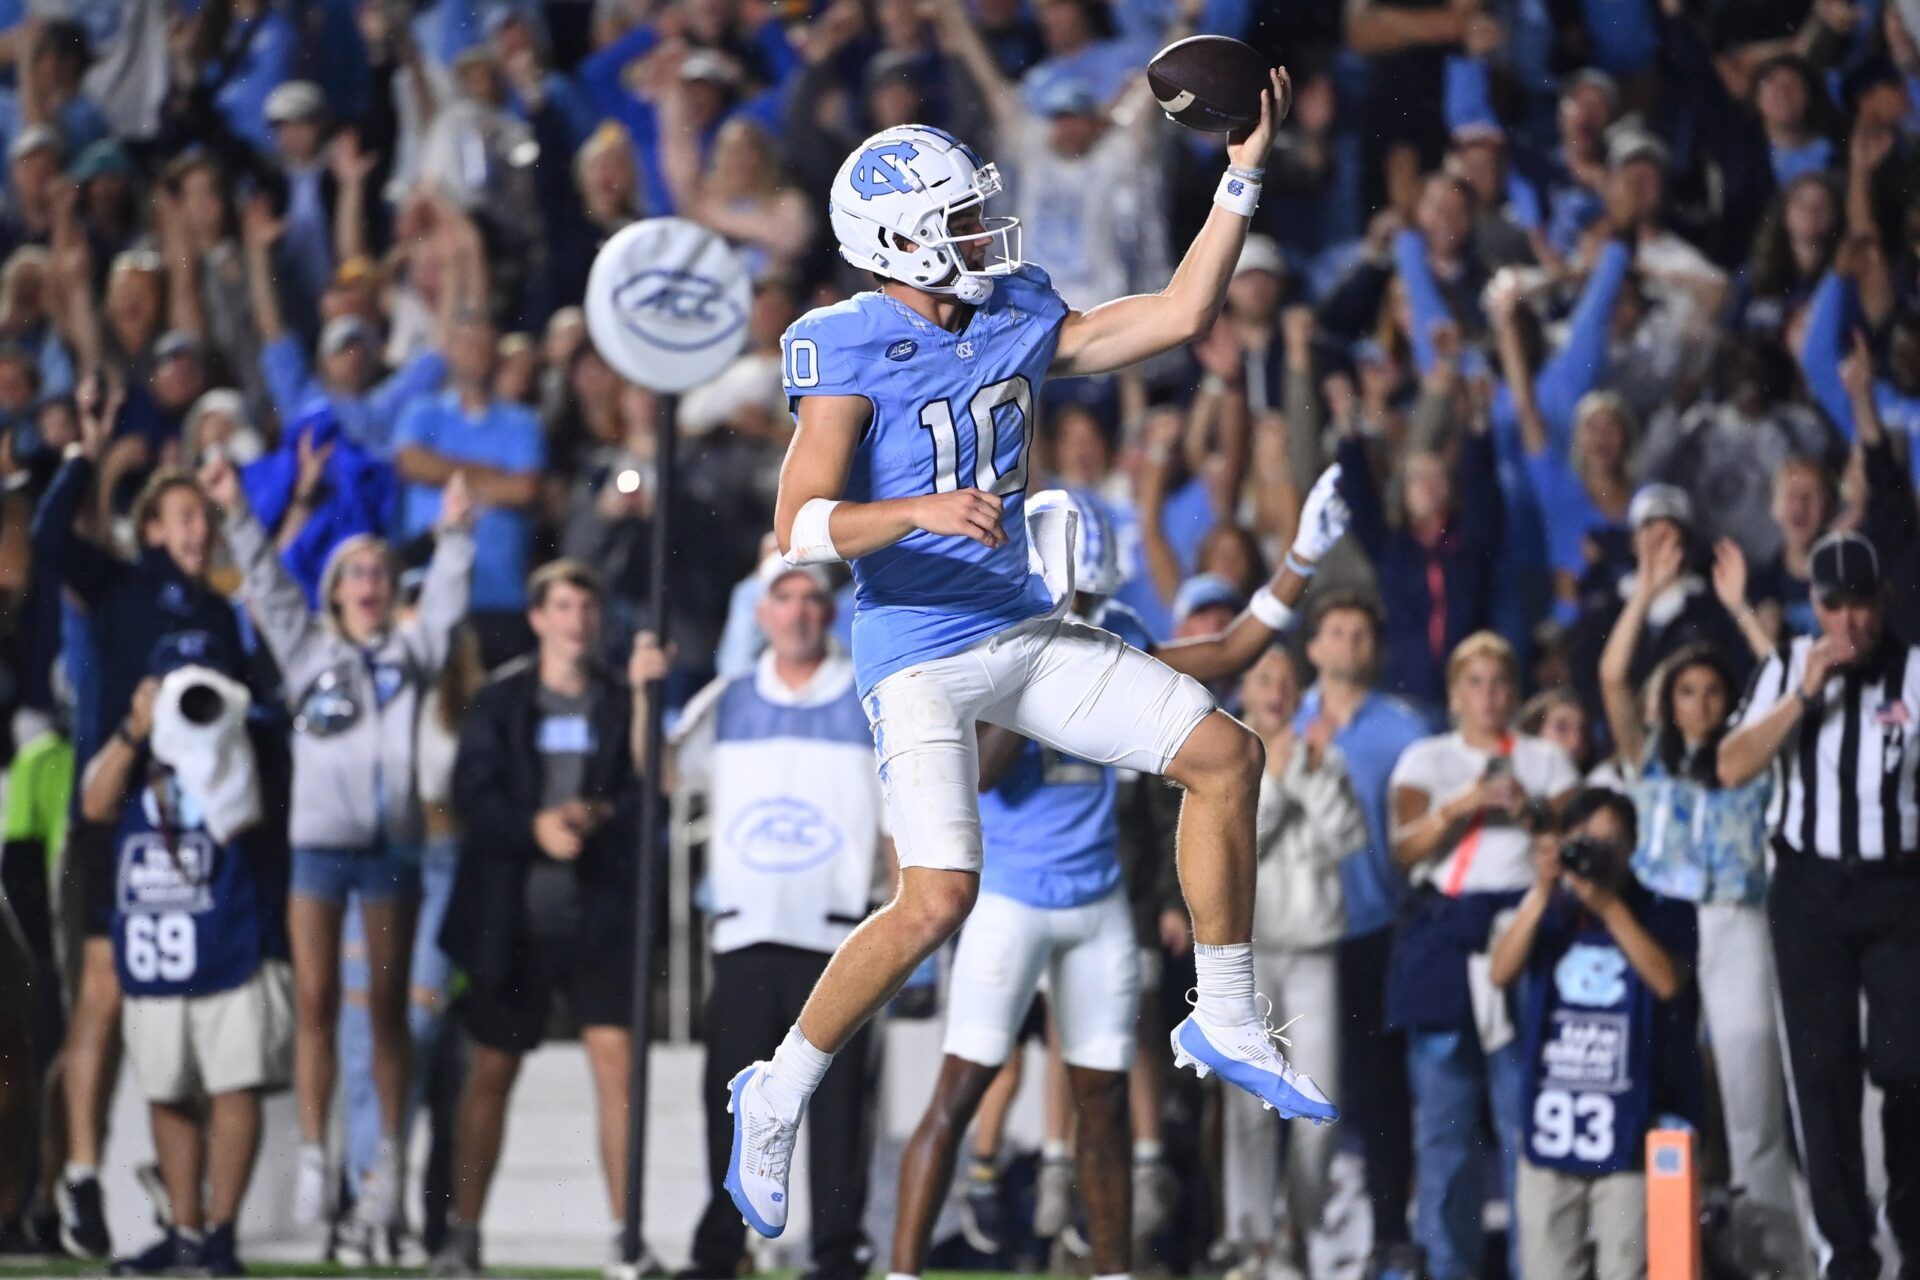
(1586, 857)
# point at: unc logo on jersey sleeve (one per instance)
(783, 836)
(879, 171)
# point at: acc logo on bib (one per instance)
(879, 171)
(783, 836)
(667, 303)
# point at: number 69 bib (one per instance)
(187, 916)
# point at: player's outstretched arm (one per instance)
(1226, 654)
(827, 430)
(1126, 331)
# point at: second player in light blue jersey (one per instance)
(913, 412)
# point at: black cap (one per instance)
(1845, 567)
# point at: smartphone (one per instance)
(1499, 767)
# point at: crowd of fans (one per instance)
(1610, 313)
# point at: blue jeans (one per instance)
(1451, 1079)
(432, 973)
(334, 876)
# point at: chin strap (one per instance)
(973, 290)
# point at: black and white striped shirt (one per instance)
(1845, 783)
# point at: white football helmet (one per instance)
(1096, 553)
(905, 184)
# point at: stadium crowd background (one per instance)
(1606, 306)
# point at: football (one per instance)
(1209, 83)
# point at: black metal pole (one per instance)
(652, 820)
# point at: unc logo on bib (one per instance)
(783, 836)
(876, 172)
(667, 303)
(1591, 976)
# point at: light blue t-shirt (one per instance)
(1049, 827)
(369, 419)
(503, 435)
(950, 410)
(1372, 741)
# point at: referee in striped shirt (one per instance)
(1838, 716)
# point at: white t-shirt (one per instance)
(1490, 857)
(1094, 222)
(128, 40)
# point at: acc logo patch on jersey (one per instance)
(903, 349)
(878, 171)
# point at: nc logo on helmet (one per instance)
(879, 170)
(676, 310)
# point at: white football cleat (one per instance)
(762, 1153)
(1245, 1056)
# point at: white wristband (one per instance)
(811, 542)
(1238, 194)
(1269, 609)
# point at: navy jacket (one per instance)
(1460, 566)
(496, 792)
(143, 611)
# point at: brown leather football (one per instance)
(1209, 83)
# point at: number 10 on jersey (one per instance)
(937, 417)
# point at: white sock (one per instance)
(1117, 1275)
(1225, 981)
(1053, 1149)
(795, 1072)
(189, 1235)
(901, 1275)
(80, 1172)
(1146, 1150)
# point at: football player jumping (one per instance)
(914, 415)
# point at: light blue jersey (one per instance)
(1049, 828)
(950, 411)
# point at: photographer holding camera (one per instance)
(1605, 1036)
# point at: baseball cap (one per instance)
(295, 100)
(1626, 145)
(1260, 253)
(1068, 97)
(1469, 132)
(1844, 567)
(175, 342)
(891, 64)
(775, 567)
(1593, 77)
(714, 68)
(1205, 591)
(342, 332)
(1660, 502)
(105, 158)
(35, 137)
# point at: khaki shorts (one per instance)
(188, 1047)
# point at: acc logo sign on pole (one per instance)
(667, 303)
